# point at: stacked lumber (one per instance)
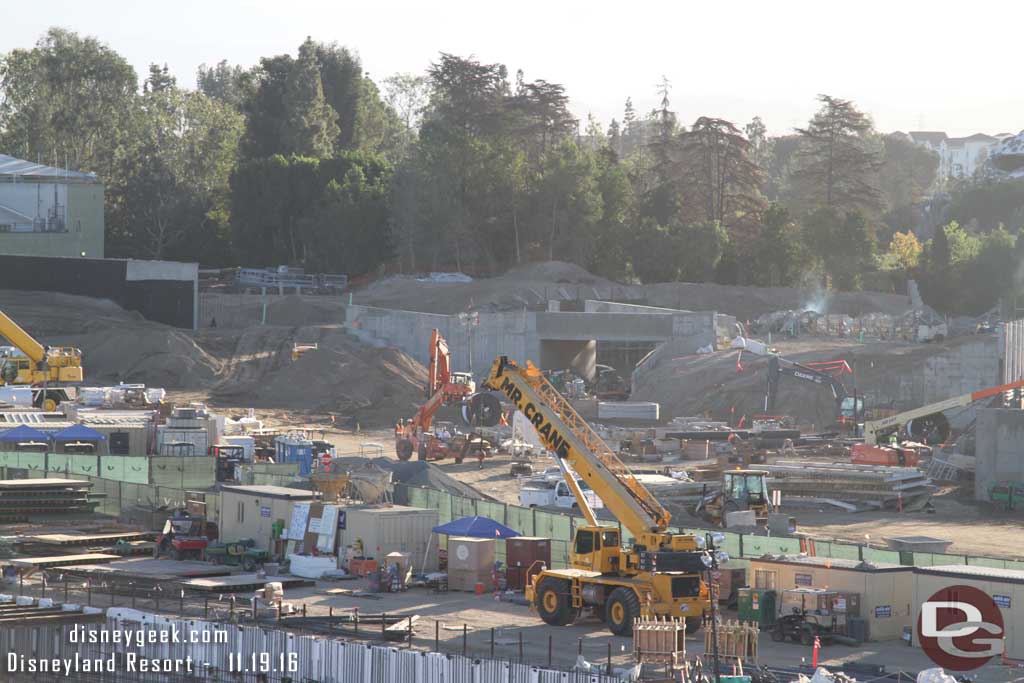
(22, 499)
(854, 488)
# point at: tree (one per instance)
(232, 85)
(318, 213)
(66, 101)
(760, 144)
(907, 173)
(407, 95)
(905, 250)
(705, 243)
(838, 160)
(988, 204)
(159, 79)
(842, 243)
(778, 253)
(569, 192)
(718, 177)
(168, 193)
(310, 124)
(610, 254)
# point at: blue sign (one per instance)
(341, 519)
(803, 579)
(1001, 601)
(264, 511)
(883, 611)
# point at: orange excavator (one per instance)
(444, 388)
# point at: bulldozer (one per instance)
(740, 490)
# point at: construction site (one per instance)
(539, 476)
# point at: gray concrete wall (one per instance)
(518, 334)
(999, 449)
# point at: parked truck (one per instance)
(542, 492)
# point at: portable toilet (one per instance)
(291, 448)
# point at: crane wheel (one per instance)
(404, 449)
(554, 602)
(50, 405)
(693, 625)
(622, 607)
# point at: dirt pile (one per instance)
(532, 286)
(341, 376)
(117, 345)
(714, 384)
(527, 287)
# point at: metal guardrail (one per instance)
(262, 277)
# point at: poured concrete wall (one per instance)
(998, 448)
(519, 334)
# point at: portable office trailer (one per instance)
(383, 529)
(257, 512)
(1004, 586)
(885, 590)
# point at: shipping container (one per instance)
(383, 529)
(524, 551)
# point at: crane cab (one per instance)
(597, 549)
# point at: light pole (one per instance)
(713, 558)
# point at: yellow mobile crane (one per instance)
(659, 575)
(45, 368)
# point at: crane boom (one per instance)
(875, 428)
(565, 433)
(21, 339)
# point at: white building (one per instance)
(958, 157)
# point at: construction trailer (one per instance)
(884, 590)
(1004, 586)
(258, 512)
(383, 529)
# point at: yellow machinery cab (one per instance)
(597, 549)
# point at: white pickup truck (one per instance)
(543, 492)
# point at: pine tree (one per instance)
(310, 124)
(839, 158)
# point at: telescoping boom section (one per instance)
(659, 575)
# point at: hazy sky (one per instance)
(911, 65)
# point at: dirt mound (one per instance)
(533, 285)
(117, 345)
(341, 376)
(527, 287)
(712, 383)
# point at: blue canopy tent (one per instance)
(476, 527)
(473, 527)
(79, 433)
(22, 434)
(78, 437)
